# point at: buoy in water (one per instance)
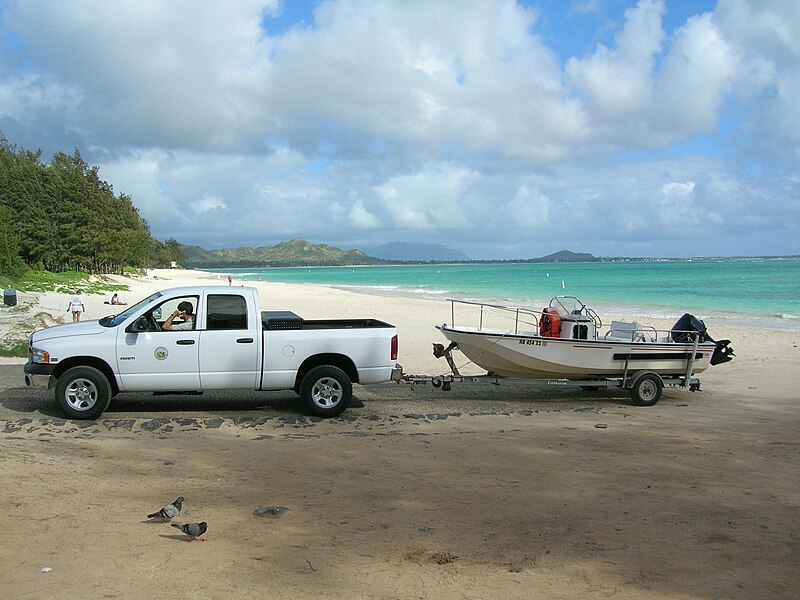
(563, 286)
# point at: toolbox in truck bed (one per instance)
(281, 319)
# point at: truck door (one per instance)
(229, 344)
(157, 359)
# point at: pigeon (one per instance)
(170, 511)
(272, 511)
(193, 530)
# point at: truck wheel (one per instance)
(646, 390)
(326, 391)
(83, 393)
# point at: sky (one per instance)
(503, 129)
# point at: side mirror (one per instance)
(157, 314)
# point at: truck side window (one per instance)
(226, 311)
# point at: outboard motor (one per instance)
(684, 326)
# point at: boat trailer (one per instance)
(645, 386)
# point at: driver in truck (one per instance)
(184, 311)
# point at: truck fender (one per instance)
(343, 362)
(88, 361)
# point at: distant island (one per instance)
(294, 253)
(302, 253)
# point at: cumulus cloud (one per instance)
(676, 206)
(449, 122)
(360, 217)
(205, 204)
(529, 208)
(767, 36)
(174, 74)
(617, 82)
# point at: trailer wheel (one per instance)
(83, 393)
(646, 390)
(326, 391)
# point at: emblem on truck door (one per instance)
(161, 353)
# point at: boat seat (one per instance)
(622, 330)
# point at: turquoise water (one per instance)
(756, 292)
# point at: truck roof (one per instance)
(200, 289)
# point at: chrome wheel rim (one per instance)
(327, 392)
(81, 394)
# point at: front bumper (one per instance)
(38, 376)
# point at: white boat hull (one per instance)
(534, 356)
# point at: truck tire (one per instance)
(83, 393)
(326, 391)
(646, 390)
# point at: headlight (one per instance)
(40, 356)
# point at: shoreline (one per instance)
(782, 323)
(613, 308)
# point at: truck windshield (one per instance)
(114, 320)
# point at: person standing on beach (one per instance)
(76, 306)
(230, 279)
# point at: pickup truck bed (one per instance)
(273, 320)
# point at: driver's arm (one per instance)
(168, 323)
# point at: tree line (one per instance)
(62, 217)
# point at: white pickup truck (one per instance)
(229, 344)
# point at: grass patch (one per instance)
(101, 287)
(133, 272)
(14, 348)
(67, 282)
(45, 281)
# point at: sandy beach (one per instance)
(483, 493)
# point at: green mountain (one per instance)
(566, 256)
(294, 253)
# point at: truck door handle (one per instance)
(244, 341)
(185, 342)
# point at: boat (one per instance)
(567, 340)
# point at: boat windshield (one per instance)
(114, 320)
(567, 305)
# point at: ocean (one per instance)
(750, 292)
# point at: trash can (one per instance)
(10, 297)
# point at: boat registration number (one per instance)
(533, 342)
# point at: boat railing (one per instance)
(518, 320)
(636, 332)
(523, 318)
